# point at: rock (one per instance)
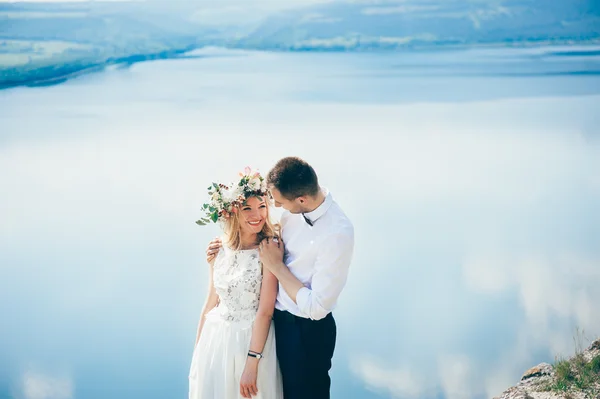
(542, 369)
(537, 381)
(514, 393)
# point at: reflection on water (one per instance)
(475, 201)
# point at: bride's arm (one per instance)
(212, 299)
(260, 332)
(268, 295)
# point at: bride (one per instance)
(234, 355)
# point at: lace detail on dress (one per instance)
(237, 277)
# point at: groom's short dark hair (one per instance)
(293, 178)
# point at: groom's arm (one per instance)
(288, 281)
(271, 256)
(329, 278)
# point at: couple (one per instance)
(266, 329)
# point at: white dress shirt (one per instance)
(319, 256)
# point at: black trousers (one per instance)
(304, 350)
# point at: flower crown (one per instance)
(223, 198)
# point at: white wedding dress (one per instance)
(220, 355)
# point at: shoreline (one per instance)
(73, 71)
(93, 67)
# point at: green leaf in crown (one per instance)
(223, 198)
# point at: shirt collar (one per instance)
(321, 209)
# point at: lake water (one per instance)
(472, 178)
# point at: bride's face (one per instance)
(253, 215)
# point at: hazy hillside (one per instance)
(44, 43)
(381, 25)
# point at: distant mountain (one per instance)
(45, 43)
(363, 25)
(97, 24)
(42, 43)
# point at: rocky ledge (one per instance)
(574, 378)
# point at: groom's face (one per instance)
(293, 206)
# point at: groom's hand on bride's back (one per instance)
(213, 249)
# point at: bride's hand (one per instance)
(248, 386)
(212, 250)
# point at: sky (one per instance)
(223, 3)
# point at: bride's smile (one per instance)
(253, 215)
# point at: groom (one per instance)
(319, 241)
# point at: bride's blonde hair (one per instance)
(232, 227)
